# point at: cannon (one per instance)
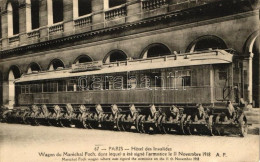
(129, 118)
(94, 118)
(32, 115)
(54, 117)
(150, 123)
(200, 122)
(43, 117)
(233, 122)
(173, 120)
(76, 117)
(4, 113)
(67, 116)
(110, 120)
(22, 114)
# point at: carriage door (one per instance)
(222, 88)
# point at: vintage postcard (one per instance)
(129, 80)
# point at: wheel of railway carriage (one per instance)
(125, 126)
(243, 126)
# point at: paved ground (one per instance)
(40, 143)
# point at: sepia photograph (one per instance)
(129, 80)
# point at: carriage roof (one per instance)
(169, 61)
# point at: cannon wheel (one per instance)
(143, 127)
(210, 126)
(84, 124)
(61, 124)
(118, 123)
(107, 125)
(182, 130)
(217, 131)
(125, 127)
(92, 124)
(25, 121)
(49, 122)
(159, 124)
(36, 123)
(137, 123)
(189, 130)
(243, 125)
(165, 129)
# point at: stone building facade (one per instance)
(42, 35)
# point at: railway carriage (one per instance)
(157, 94)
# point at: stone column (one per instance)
(25, 24)
(75, 9)
(250, 78)
(43, 19)
(98, 17)
(9, 20)
(68, 16)
(4, 29)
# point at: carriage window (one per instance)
(50, 87)
(222, 74)
(72, 84)
(22, 89)
(107, 82)
(132, 82)
(26, 89)
(33, 88)
(61, 86)
(53, 87)
(186, 78)
(179, 79)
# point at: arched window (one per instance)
(82, 59)
(56, 64)
(13, 18)
(114, 56)
(33, 67)
(155, 50)
(206, 43)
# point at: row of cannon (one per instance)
(172, 119)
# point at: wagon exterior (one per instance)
(185, 80)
